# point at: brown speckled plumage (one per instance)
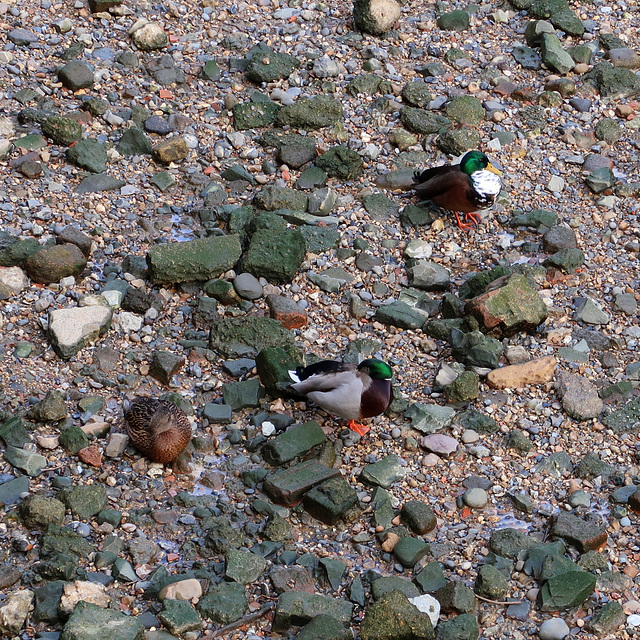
(158, 429)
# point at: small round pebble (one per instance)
(475, 498)
(470, 436)
(554, 629)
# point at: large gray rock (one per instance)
(579, 396)
(70, 330)
(553, 55)
(76, 75)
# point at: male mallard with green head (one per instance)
(346, 390)
(462, 188)
(158, 428)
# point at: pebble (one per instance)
(554, 629)
(475, 498)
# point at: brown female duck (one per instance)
(158, 428)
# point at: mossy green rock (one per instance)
(462, 627)
(134, 142)
(607, 619)
(456, 597)
(59, 540)
(341, 162)
(86, 500)
(246, 337)
(422, 121)
(253, 115)
(456, 141)
(464, 388)
(553, 55)
(38, 512)
(295, 441)
(613, 82)
(179, 616)
(457, 20)
(467, 110)
(88, 154)
(73, 438)
(511, 304)
(393, 617)
(91, 622)
(299, 607)
(266, 65)
(200, 259)
(311, 113)
(275, 255)
(14, 251)
(243, 566)
(271, 198)
(567, 260)
(509, 542)
(566, 590)
(274, 364)
(62, 130)
(491, 583)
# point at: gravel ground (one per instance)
(128, 221)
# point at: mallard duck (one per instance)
(158, 428)
(346, 390)
(462, 188)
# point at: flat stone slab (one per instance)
(295, 441)
(200, 259)
(517, 376)
(73, 329)
(288, 486)
(582, 534)
(383, 473)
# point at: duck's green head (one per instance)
(477, 161)
(376, 369)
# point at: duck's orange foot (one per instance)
(360, 429)
(465, 226)
(474, 217)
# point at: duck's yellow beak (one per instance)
(493, 169)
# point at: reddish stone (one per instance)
(505, 88)
(286, 311)
(164, 516)
(91, 455)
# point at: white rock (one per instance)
(14, 611)
(71, 329)
(268, 428)
(429, 605)
(13, 279)
(117, 444)
(183, 590)
(419, 249)
(129, 322)
(79, 590)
